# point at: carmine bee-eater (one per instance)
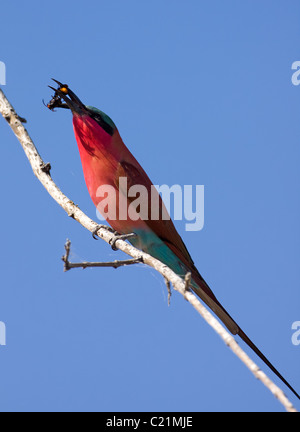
(107, 161)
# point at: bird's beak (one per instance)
(70, 98)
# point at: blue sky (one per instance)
(201, 93)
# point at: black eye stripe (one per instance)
(97, 117)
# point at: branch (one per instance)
(114, 264)
(42, 172)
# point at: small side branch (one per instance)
(168, 285)
(114, 264)
(187, 281)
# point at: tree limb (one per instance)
(114, 264)
(42, 172)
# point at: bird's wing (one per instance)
(166, 231)
(162, 227)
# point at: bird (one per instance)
(107, 163)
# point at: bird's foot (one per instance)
(95, 231)
(117, 237)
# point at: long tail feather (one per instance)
(203, 291)
(248, 341)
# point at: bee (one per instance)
(56, 101)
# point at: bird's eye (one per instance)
(64, 89)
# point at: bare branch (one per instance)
(114, 264)
(179, 284)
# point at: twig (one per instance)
(114, 264)
(179, 285)
(187, 281)
(168, 284)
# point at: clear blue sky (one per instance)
(201, 93)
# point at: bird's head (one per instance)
(72, 102)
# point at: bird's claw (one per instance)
(95, 231)
(117, 237)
